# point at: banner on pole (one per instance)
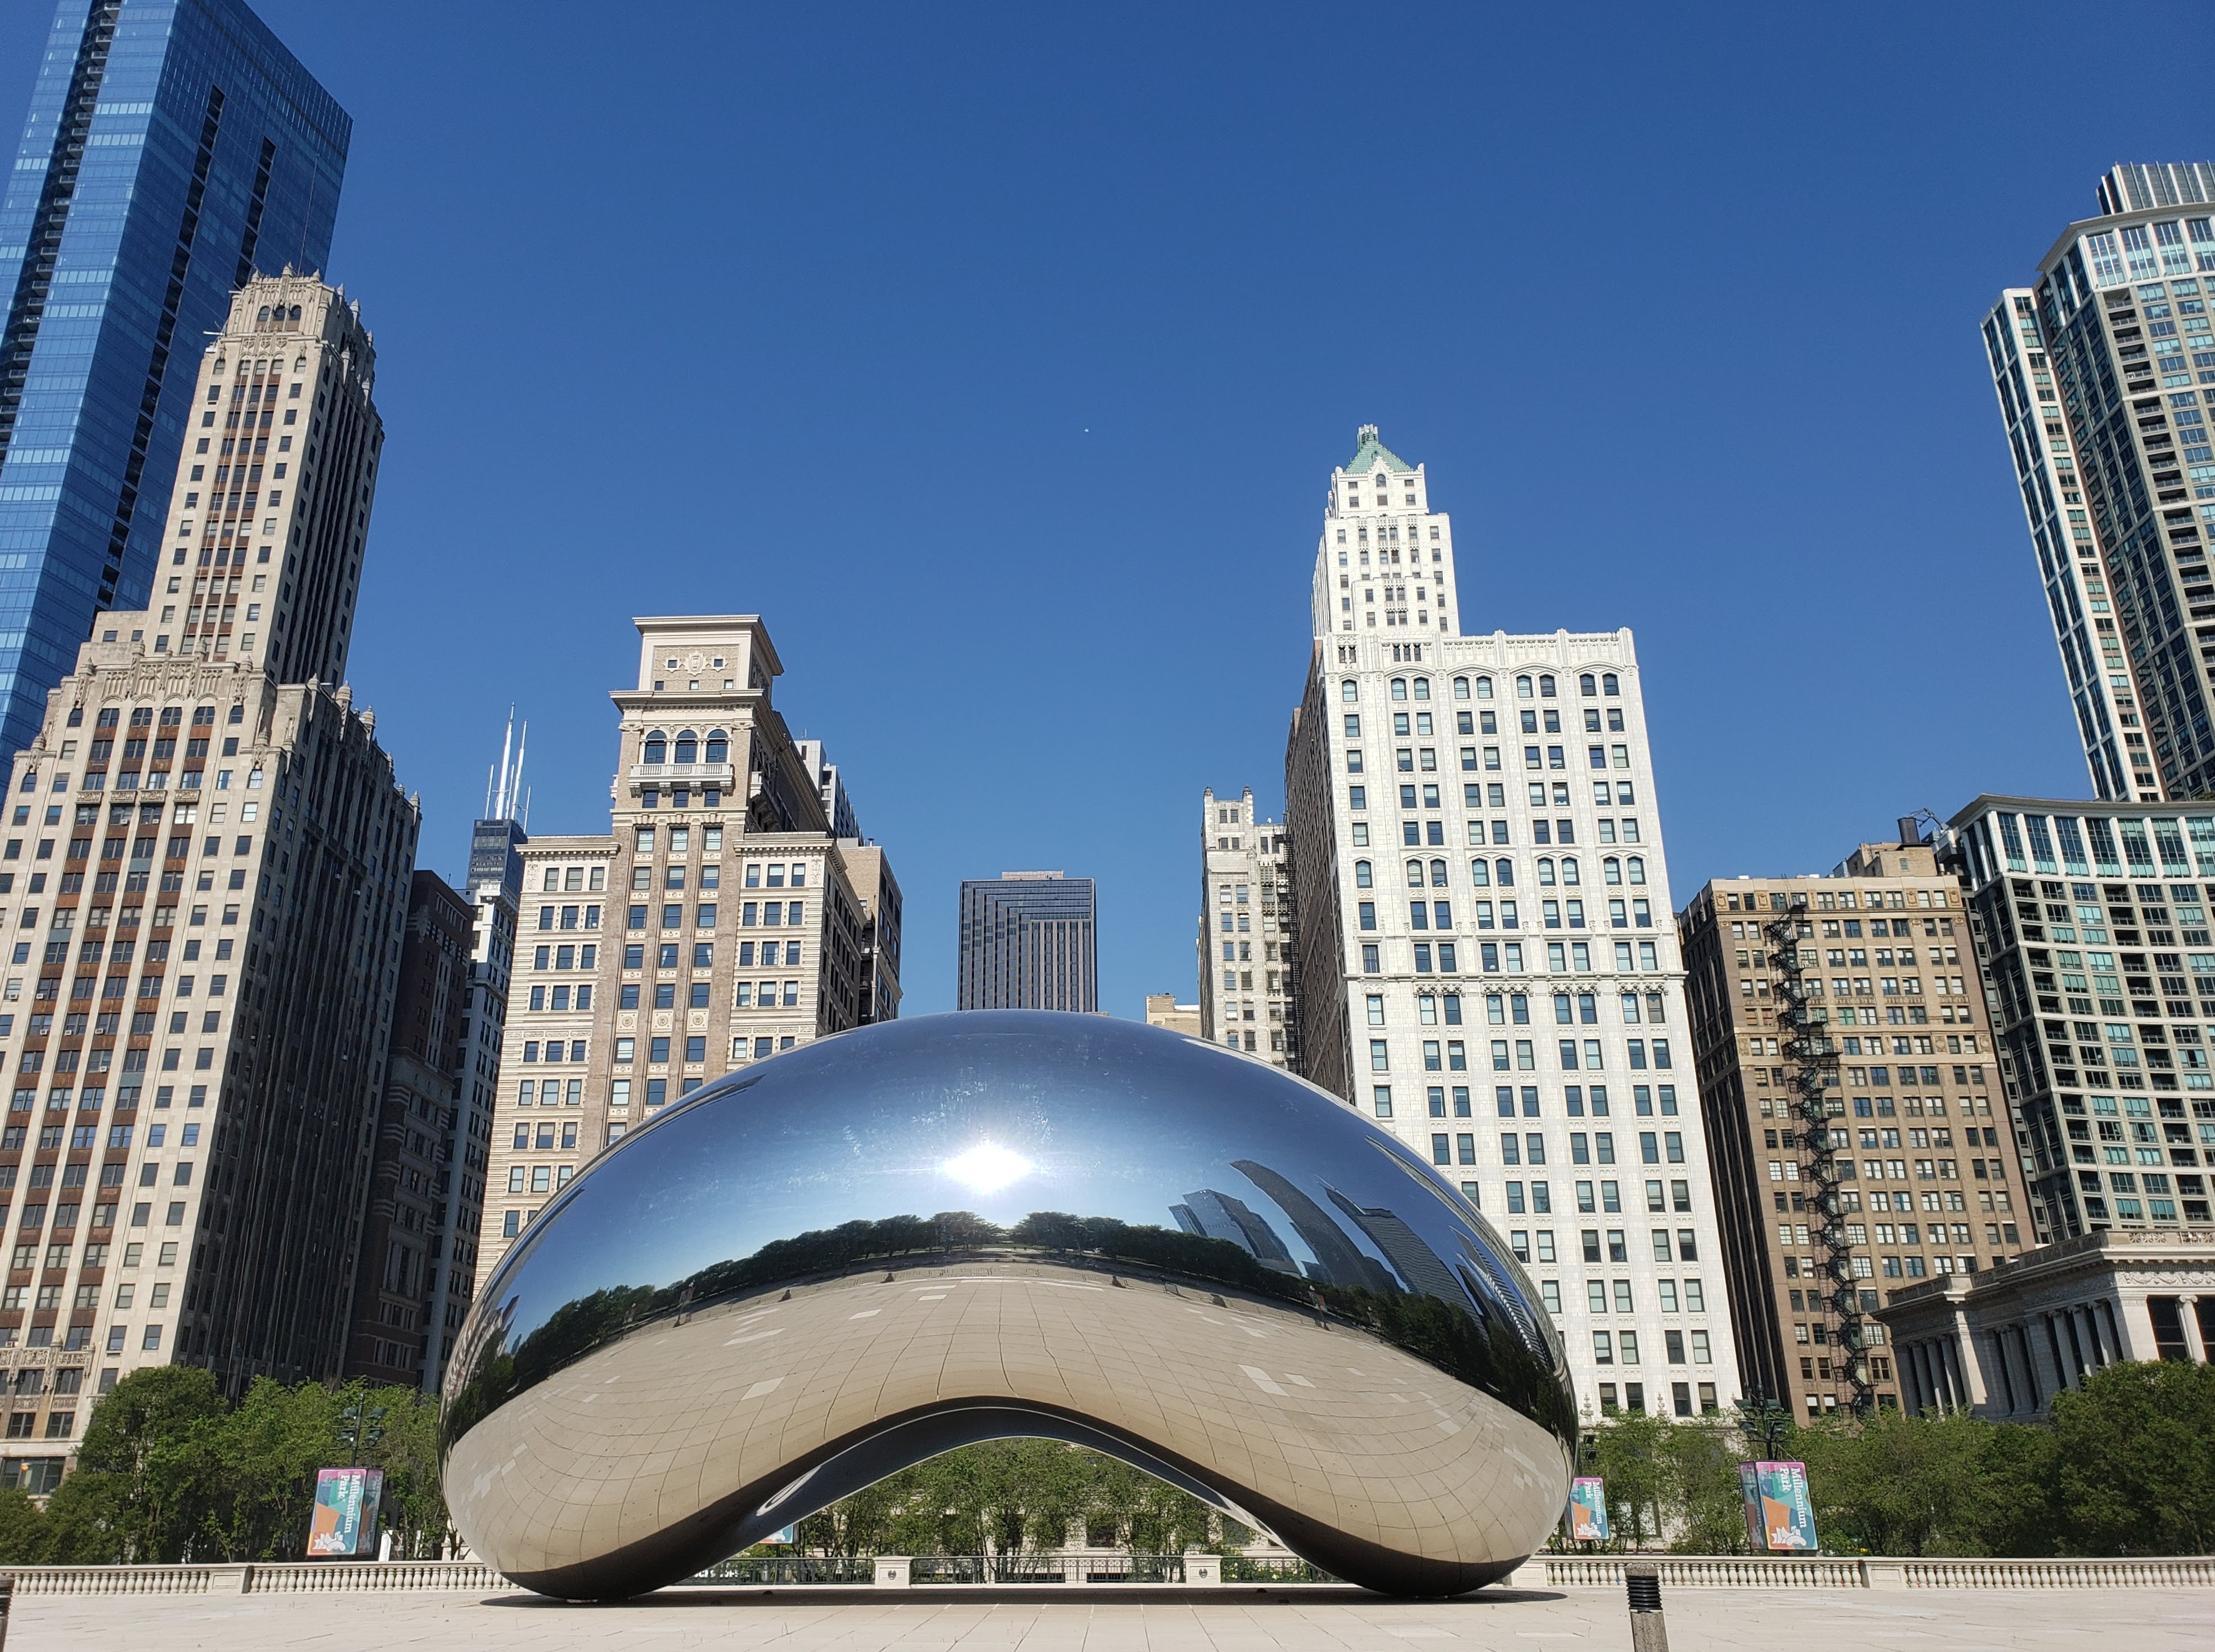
(1779, 1515)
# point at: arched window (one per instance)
(1521, 688)
(1484, 688)
(1546, 688)
(1610, 870)
(1422, 687)
(1414, 874)
(688, 747)
(1480, 873)
(1638, 869)
(1461, 688)
(1545, 872)
(1437, 875)
(1569, 869)
(1399, 688)
(718, 748)
(296, 315)
(1361, 879)
(1587, 685)
(657, 749)
(1504, 870)
(1608, 685)
(1349, 690)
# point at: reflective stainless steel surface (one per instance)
(839, 1263)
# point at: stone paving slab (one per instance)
(1228, 1620)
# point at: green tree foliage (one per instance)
(2126, 1465)
(169, 1471)
(2135, 1467)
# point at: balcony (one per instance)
(668, 775)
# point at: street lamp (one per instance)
(1763, 1418)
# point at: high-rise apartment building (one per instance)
(395, 1334)
(718, 923)
(172, 149)
(1246, 928)
(1029, 941)
(1483, 961)
(1858, 1132)
(209, 888)
(2099, 965)
(2105, 370)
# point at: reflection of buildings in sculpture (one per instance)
(1338, 1260)
(1219, 1216)
(1418, 1263)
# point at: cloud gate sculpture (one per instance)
(826, 1267)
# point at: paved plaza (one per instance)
(1235, 1620)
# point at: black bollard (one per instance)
(1642, 1580)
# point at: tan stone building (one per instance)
(720, 922)
(205, 869)
(1163, 1010)
(1859, 987)
(1246, 931)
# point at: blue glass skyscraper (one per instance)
(173, 147)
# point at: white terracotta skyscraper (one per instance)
(1485, 961)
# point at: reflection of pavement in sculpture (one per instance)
(700, 1343)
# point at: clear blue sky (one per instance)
(998, 357)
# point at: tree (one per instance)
(1628, 1453)
(2135, 1449)
(23, 1533)
(1702, 1486)
(143, 1472)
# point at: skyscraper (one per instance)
(1860, 1135)
(494, 887)
(172, 149)
(209, 892)
(2105, 371)
(1454, 923)
(2092, 927)
(396, 1335)
(1246, 931)
(717, 924)
(1028, 941)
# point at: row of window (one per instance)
(1615, 794)
(1541, 686)
(1506, 1097)
(1486, 875)
(1552, 914)
(1562, 958)
(768, 914)
(1593, 1055)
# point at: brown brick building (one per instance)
(398, 1264)
(1847, 1083)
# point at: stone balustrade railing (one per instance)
(1541, 1572)
(1782, 1572)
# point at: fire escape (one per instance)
(1814, 1058)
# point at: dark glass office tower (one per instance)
(1027, 942)
(173, 147)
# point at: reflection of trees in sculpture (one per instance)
(1014, 1496)
(1468, 1336)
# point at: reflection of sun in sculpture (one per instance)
(988, 1167)
(836, 1263)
